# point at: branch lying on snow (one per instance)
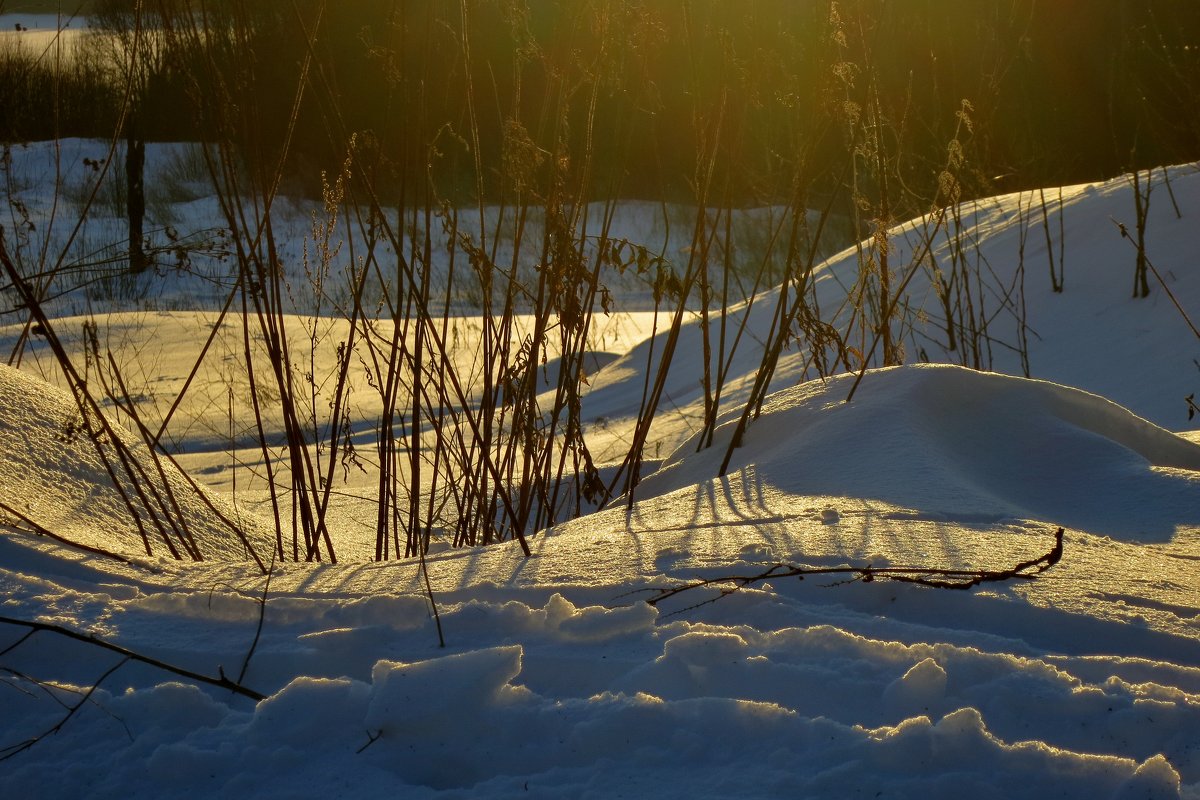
(25, 521)
(923, 576)
(221, 682)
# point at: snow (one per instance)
(559, 680)
(958, 444)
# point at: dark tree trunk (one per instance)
(135, 170)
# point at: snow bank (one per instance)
(954, 443)
(1139, 352)
(52, 474)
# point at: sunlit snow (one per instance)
(559, 680)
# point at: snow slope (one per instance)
(52, 473)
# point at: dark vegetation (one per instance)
(1059, 92)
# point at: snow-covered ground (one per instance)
(558, 679)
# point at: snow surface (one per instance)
(559, 680)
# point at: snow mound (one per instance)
(53, 476)
(954, 443)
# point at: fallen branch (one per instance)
(924, 576)
(33, 527)
(221, 682)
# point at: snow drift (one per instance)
(52, 474)
(954, 443)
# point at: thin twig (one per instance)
(1141, 251)
(372, 738)
(262, 614)
(21, 747)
